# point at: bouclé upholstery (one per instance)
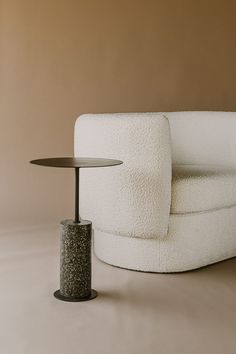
(172, 205)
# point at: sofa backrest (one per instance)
(203, 137)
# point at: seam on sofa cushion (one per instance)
(203, 211)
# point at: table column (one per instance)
(75, 256)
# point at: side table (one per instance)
(75, 253)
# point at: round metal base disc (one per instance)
(58, 295)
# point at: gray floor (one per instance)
(190, 313)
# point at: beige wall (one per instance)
(61, 58)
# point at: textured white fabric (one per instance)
(203, 137)
(132, 199)
(194, 240)
(202, 187)
(130, 204)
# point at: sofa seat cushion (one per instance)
(197, 188)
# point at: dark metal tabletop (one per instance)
(76, 162)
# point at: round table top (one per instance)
(76, 162)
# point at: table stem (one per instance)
(77, 218)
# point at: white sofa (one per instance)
(172, 205)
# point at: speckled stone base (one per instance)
(75, 261)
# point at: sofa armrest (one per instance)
(132, 199)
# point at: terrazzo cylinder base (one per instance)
(75, 262)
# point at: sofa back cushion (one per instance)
(203, 137)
